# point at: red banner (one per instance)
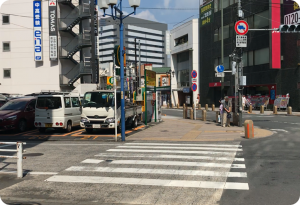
(276, 44)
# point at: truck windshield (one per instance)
(48, 103)
(98, 99)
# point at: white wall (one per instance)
(27, 76)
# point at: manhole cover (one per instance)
(33, 154)
(164, 131)
(108, 160)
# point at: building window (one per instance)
(261, 19)
(182, 57)
(7, 73)
(6, 46)
(245, 59)
(216, 35)
(5, 19)
(225, 32)
(225, 3)
(250, 58)
(183, 78)
(261, 56)
(181, 40)
(226, 63)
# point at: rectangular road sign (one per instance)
(241, 41)
(219, 75)
(194, 80)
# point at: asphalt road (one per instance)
(272, 163)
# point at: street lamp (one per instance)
(104, 4)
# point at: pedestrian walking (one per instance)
(221, 111)
(243, 102)
(226, 112)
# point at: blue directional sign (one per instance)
(220, 68)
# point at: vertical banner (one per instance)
(37, 30)
(276, 40)
(206, 12)
(96, 30)
(53, 30)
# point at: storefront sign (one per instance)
(37, 30)
(206, 13)
(151, 78)
(186, 90)
(276, 40)
(53, 30)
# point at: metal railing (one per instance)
(75, 45)
(19, 156)
(83, 68)
(78, 13)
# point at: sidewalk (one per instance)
(175, 129)
(254, 112)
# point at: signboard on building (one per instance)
(53, 30)
(275, 35)
(37, 30)
(206, 13)
(110, 80)
(151, 78)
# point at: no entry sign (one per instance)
(241, 27)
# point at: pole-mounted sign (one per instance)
(117, 55)
(194, 74)
(241, 27)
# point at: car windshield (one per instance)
(48, 103)
(98, 99)
(14, 105)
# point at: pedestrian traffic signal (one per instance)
(289, 28)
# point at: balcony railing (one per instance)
(81, 69)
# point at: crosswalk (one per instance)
(202, 166)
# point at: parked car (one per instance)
(18, 114)
(3, 100)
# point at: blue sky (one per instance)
(171, 17)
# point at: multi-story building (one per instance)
(270, 59)
(184, 59)
(45, 48)
(151, 36)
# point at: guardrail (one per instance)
(19, 156)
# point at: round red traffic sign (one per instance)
(194, 87)
(241, 27)
(194, 74)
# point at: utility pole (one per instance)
(140, 68)
(240, 69)
(222, 48)
(136, 75)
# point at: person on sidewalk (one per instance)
(226, 112)
(243, 102)
(221, 111)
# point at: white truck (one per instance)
(98, 111)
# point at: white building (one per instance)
(150, 34)
(29, 61)
(184, 59)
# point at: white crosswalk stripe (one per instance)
(203, 166)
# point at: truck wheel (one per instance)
(90, 131)
(42, 130)
(69, 127)
(134, 123)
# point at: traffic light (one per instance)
(289, 28)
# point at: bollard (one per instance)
(250, 109)
(206, 106)
(213, 107)
(193, 106)
(177, 105)
(183, 105)
(275, 110)
(217, 116)
(184, 113)
(191, 114)
(289, 110)
(262, 109)
(20, 159)
(249, 129)
(199, 106)
(172, 105)
(203, 115)
(168, 105)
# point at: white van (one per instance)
(57, 110)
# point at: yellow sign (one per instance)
(151, 78)
(110, 80)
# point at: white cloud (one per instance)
(146, 15)
(166, 3)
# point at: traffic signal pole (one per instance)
(240, 73)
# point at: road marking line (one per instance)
(190, 148)
(178, 163)
(170, 151)
(149, 182)
(280, 130)
(92, 161)
(157, 171)
(42, 173)
(170, 156)
(193, 145)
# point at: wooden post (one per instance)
(249, 129)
